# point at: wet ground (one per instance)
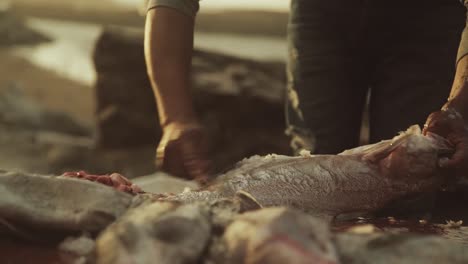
(448, 219)
(70, 54)
(14, 251)
(397, 226)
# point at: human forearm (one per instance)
(168, 52)
(458, 99)
(451, 122)
(182, 150)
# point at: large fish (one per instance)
(363, 179)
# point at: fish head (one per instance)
(415, 158)
(410, 155)
(280, 235)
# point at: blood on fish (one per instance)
(115, 180)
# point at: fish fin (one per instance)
(251, 163)
(382, 149)
(247, 201)
(373, 152)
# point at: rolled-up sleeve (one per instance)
(463, 48)
(188, 7)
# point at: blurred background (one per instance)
(74, 93)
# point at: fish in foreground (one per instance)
(358, 180)
(276, 235)
(161, 232)
(45, 203)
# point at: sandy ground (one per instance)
(51, 90)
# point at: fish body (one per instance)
(161, 232)
(276, 235)
(363, 179)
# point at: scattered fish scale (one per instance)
(384, 248)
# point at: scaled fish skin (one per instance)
(363, 179)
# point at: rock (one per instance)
(232, 96)
(125, 107)
(14, 31)
(58, 204)
(20, 112)
(161, 232)
(381, 248)
(276, 235)
(46, 152)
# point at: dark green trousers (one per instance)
(401, 52)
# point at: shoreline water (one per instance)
(240, 21)
(69, 54)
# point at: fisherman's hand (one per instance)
(183, 152)
(451, 125)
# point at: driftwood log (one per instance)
(239, 101)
